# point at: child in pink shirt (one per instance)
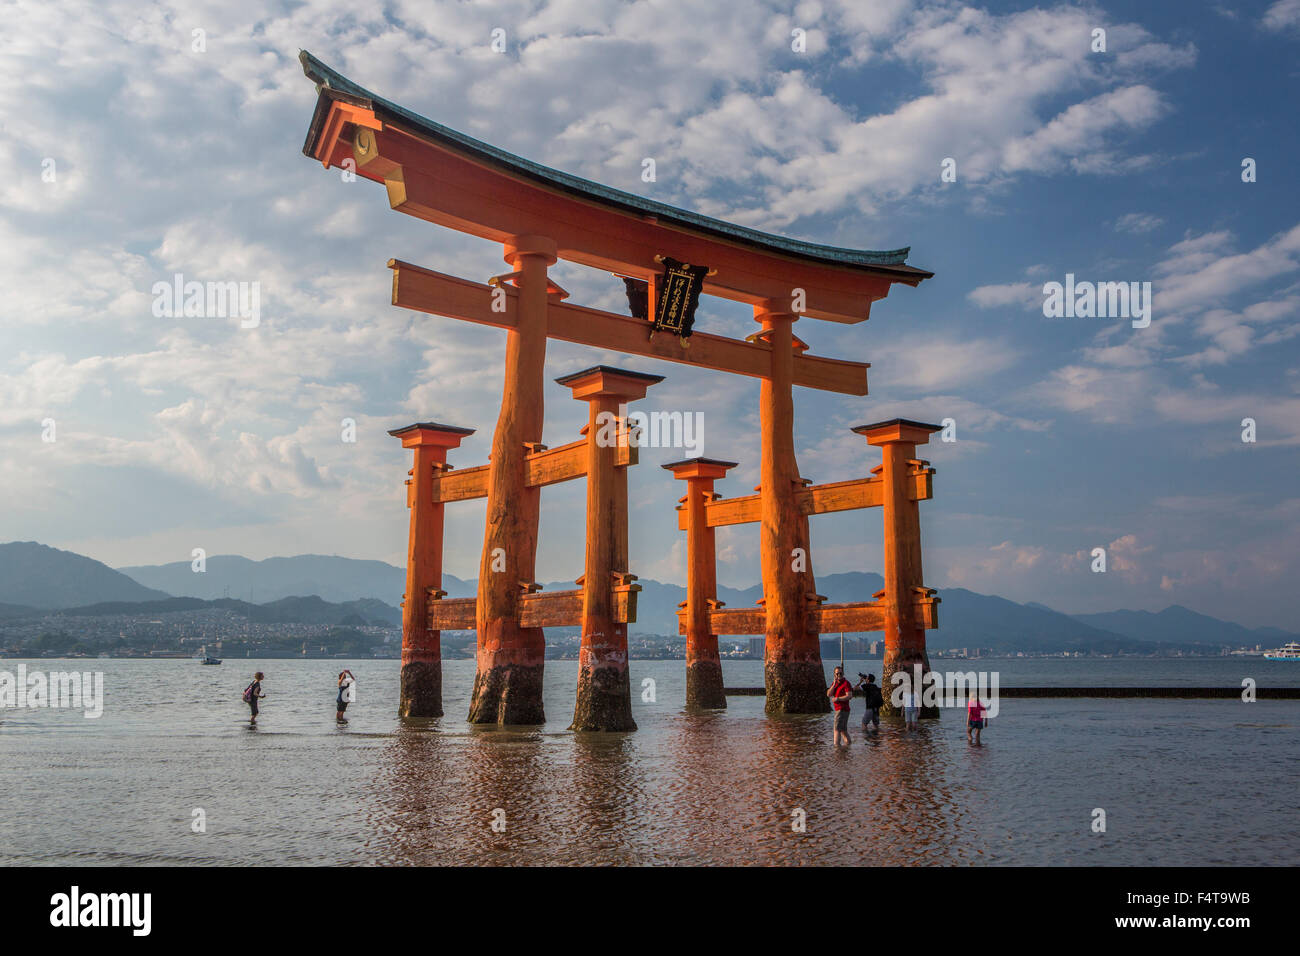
(974, 719)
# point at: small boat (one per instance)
(1289, 653)
(211, 660)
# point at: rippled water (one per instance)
(1181, 781)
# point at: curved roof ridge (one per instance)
(328, 78)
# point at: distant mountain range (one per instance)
(35, 575)
(329, 590)
(1177, 623)
(233, 576)
(298, 610)
(966, 618)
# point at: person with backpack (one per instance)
(975, 719)
(347, 694)
(873, 700)
(840, 693)
(252, 693)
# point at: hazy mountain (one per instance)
(297, 610)
(1177, 624)
(333, 590)
(43, 577)
(314, 610)
(1275, 634)
(332, 578)
(966, 619)
(16, 610)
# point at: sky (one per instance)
(142, 140)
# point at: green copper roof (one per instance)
(892, 261)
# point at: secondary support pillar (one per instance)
(508, 684)
(421, 693)
(904, 629)
(792, 668)
(604, 701)
(703, 665)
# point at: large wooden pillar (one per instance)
(904, 581)
(809, 586)
(508, 685)
(604, 700)
(703, 665)
(792, 669)
(421, 693)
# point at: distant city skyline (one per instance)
(135, 156)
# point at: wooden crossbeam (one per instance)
(461, 484)
(556, 609)
(814, 500)
(437, 294)
(452, 614)
(538, 609)
(547, 467)
(742, 620)
(436, 184)
(553, 465)
(823, 618)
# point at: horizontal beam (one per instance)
(440, 186)
(554, 465)
(437, 294)
(850, 618)
(539, 609)
(557, 609)
(547, 467)
(822, 618)
(460, 484)
(814, 500)
(452, 614)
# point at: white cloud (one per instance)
(1024, 295)
(1077, 134)
(1282, 15)
(1200, 273)
(940, 362)
(1138, 222)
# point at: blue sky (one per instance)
(175, 433)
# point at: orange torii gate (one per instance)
(540, 215)
(903, 609)
(603, 612)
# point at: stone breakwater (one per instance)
(1218, 693)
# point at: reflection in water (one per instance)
(608, 802)
(919, 816)
(705, 787)
(712, 788)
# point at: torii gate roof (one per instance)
(424, 164)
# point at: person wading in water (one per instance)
(347, 694)
(974, 719)
(840, 693)
(252, 693)
(872, 700)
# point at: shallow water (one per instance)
(1181, 781)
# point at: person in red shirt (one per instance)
(974, 719)
(840, 693)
